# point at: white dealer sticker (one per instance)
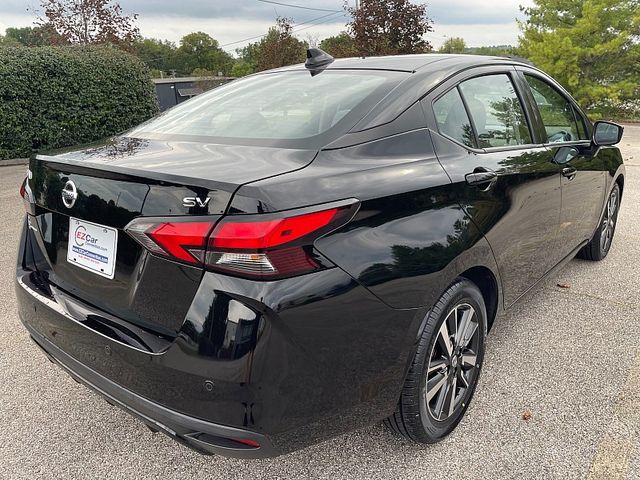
(92, 247)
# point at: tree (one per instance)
(202, 72)
(279, 47)
(313, 39)
(453, 45)
(389, 27)
(6, 41)
(495, 50)
(248, 55)
(241, 69)
(339, 46)
(199, 50)
(157, 54)
(591, 47)
(89, 21)
(35, 36)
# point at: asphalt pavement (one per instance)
(559, 395)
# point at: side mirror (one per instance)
(565, 155)
(606, 133)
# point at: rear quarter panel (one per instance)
(410, 238)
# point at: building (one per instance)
(172, 91)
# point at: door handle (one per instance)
(481, 176)
(569, 172)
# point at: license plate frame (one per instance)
(92, 247)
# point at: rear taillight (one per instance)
(181, 240)
(25, 194)
(256, 246)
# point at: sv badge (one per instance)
(195, 201)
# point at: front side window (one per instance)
(582, 129)
(558, 115)
(496, 111)
(452, 118)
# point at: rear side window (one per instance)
(496, 111)
(558, 114)
(452, 118)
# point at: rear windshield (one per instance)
(286, 106)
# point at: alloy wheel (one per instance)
(453, 366)
(609, 221)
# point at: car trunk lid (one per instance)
(125, 179)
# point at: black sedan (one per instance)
(313, 249)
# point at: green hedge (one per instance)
(52, 97)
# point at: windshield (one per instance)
(282, 106)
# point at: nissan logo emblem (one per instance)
(69, 194)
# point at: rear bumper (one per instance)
(202, 436)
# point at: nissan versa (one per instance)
(312, 249)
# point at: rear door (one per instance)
(501, 174)
(567, 135)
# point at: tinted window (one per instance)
(452, 118)
(290, 105)
(557, 112)
(582, 129)
(496, 111)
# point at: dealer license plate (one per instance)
(92, 247)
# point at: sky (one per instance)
(234, 22)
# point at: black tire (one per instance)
(415, 416)
(600, 244)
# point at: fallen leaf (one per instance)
(564, 285)
(526, 416)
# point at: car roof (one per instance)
(410, 63)
(413, 63)
(424, 71)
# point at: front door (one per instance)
(504, 181)
(583, 176)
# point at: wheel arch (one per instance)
(487, 283)
(620, 181)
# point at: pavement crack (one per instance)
(592, 296)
